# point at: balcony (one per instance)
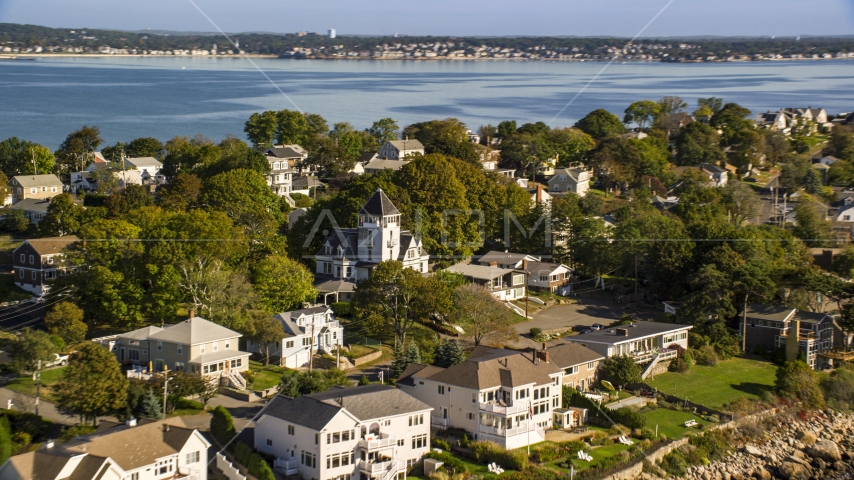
(508, 432)
(439, 422)
(499, 409)
(649, 355)
(285, 467)
(382, 441)
(380, 469)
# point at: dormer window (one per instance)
(328, 250)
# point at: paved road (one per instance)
(25, 403)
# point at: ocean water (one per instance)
(130, 97)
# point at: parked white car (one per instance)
(58, 360)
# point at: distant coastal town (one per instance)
(18, 41)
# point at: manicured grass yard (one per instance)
(26, 385)
(478, 470)
(357, 351)
(265, 377)
(671, 422)
(598, 454)
(715, 386)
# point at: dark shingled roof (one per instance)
(635, 331)
(51, 245)
(493, 367)
(379, 205)
(366, 402)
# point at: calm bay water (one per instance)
(129, 97)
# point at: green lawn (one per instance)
(721, 384)
(477, 470)
(671, 422)
(357, 351)
(265, 377)
(9, 292)
(26, 385)
(598, 454)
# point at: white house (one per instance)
(828, 160)
(544, 276)
(575, 180)
(400, 149)
(350, 254)
(504, 283)
(282, 160)
(306, 331)
(163, 450)
(648, 343)
(717, 175)
(844, 210)
(150, 170)
(366, 432)
(504, 396)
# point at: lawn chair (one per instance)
(690, 423)
(582, 456)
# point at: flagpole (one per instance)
(528, 426)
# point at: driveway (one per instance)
(590, 309)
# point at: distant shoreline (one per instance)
(34, 56)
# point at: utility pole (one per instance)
(636, 276)
(165, 385)
(744, 325)
(35, 168)
(311, 348)
(38, 384)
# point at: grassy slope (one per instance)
(26, 385)
(721, 384)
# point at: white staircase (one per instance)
(650, 367)
(236, 379)
(290, 200)
(519, 311)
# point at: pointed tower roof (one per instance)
(379, 205)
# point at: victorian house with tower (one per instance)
(349, 255)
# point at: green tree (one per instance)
(798, 381)
(181, 193)
(129, 198)
(64, 217)
(144, 147)
(707, 107)
(840, 145)
(670, 104)
(812, 184)
(282, 283)
(448, 354)
(698, 143)
(384, 130)
(261, 129)
(77, 149)
(570, 145)
(31, 347)
(265, 330)
(15, 221)
(66, 320)
(482, 316)
(107, 299)
(222, 425)
(5, 439)
(430, 134)
(387, 300)
(600, 124)
(295, 383)
(622, 370)
(398, 361)
(812, 228)
(93, 384)
(413, 354)
(506, 128)
(244, 196)
(642, 113)
(20, 157)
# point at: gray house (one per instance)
(575, 180)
